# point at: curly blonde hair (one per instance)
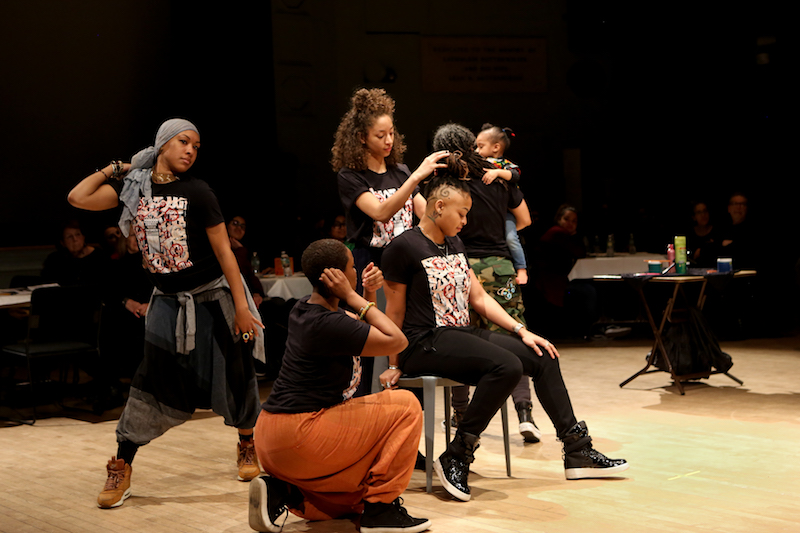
(366, 106)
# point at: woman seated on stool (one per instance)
(429, 288)
(330, 454)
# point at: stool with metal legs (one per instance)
(428, 385)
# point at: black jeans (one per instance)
(493, 363)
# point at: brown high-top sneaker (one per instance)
(118, 484)
(246, 461)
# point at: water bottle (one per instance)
(631, 245)
(610, 245)
(286, 263)
(680, 254)
(255, 263)
(670, 253)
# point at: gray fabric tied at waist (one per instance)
(219, 290)
(186, 324)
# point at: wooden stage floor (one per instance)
(722, 458)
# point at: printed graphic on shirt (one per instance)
(383, 233)
(160, 227)
(355, 380)
(449, 283)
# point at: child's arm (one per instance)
(491, 174)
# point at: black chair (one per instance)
(25, 280)
(63, 326)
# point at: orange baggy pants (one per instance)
(363, 449)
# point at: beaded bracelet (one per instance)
(363, 312)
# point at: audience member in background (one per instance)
(237, 226)
(702, 241)
(75, 262)
(114, 243)
(740, 239)
(330, 454)
(126, 297)
(571, 305)
(336, 228)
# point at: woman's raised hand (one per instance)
(336, 282)
(371, 278)
(429, 164)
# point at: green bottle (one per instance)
(680, 254)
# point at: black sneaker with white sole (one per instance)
(270, 498)
(582, 461)
(527, 427)
(453, 473)
(588, 463)
(390, 518)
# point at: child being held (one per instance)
(491, 143)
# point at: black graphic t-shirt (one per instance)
(321, 366)
(361, 228)
(170, 228)
(437, 281)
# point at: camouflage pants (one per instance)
(499, 279)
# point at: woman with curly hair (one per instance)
(377, 190)
(379, 193)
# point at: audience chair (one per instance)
(428, 385)
(63, 325)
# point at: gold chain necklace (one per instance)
(160, 178)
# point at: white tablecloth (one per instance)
(20, 297)
(286, 288)
(589, 267)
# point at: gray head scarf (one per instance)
(138, 183)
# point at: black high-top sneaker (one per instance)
(527, 427)
(390, 518)
(581, 461)
(452, 466)
(270, 498)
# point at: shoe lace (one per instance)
(247, 455)
(398, 503)
(114, 479)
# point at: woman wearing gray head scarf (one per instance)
(201, 328)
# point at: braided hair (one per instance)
(454, 176)
(457, 138)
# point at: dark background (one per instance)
(666, 102)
